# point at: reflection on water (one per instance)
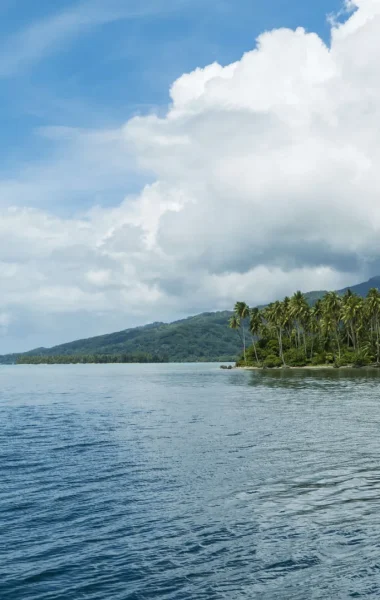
(309, 377)
(175, 482)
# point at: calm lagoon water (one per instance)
(174, 482)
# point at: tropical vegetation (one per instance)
(335, 330)
(67, 359)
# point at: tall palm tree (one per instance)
(352, 317)
(373, 307)
(255, 327)
(315, 324)
(241, 311)
(299, 311)
(318, 310)
(276, 317)
(287, 317)
(306, 324)
(332, 314)
(345, 300)
(327, 327)
(313, 328)
(234, 323)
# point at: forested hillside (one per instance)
(205, 337)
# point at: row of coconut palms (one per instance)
(341, 326)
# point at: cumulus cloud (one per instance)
(79, 164)
(266, 177)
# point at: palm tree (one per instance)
(318, 310)
(373, 308)
(287, 317)
(313, 328)
(332, 314)
(299, 311)
(255, 327)
(345, 299)
(241, 311)
(276, 317)
(334, 323)
(327, 326)
(315, 324)
(234, 323)
(352, 317)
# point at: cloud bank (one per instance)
(265, 179)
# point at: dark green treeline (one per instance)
(339, 330)
(90, 358)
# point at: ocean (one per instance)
(187, 482)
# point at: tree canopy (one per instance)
(339, 330)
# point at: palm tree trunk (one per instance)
(312, 346)
(353, 335)
(349, 338)
(280, 345)
(337, 341)
(254, 348)
(244, 351)
(240, 337)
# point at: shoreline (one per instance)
(311, 368)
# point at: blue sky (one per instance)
(145, 177)
(94, 63)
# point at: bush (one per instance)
(319, 359)
(272, 361)
(295, 358)
(272, 348)
(251, 356)
(360, 359)
(347, 358)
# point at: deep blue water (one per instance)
(132, 482)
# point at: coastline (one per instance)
(311, 368)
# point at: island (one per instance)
(333, 331)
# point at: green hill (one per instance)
(361, 289)
(205, 337)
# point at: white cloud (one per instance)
(266, 180)
(80, 165)
(98, 278)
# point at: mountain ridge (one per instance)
(203, 337)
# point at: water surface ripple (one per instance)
(182, 482)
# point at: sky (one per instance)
(166, 158)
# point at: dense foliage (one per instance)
(338, 330)
(68, 359)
